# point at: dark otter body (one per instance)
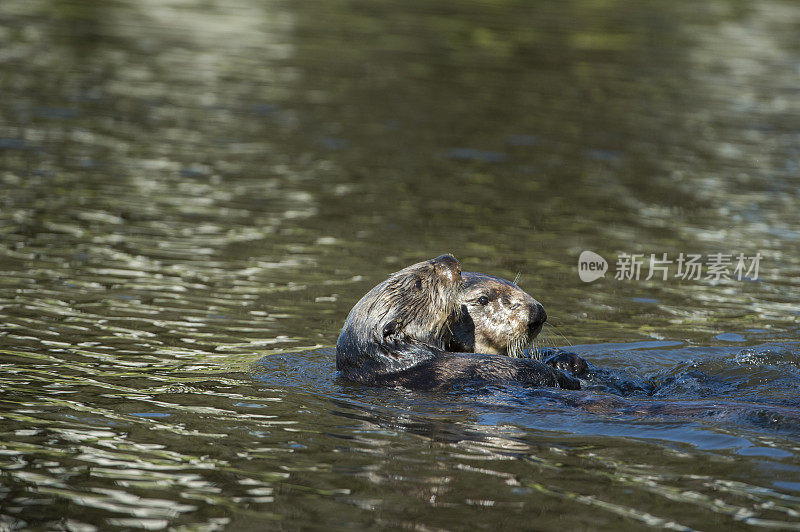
(498, 317)
(395, 335)
(451, 369)
(400, 322)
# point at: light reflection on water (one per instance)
(192, 198)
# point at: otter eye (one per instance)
(483, 300)
(418, 284)
(390, 328)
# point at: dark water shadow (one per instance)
(727, 400)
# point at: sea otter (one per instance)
(396, 334)
(498, 317)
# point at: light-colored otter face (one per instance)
(497, 317)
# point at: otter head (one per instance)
(401, 321)
(497, 317)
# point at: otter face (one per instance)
(402, 320)
(497, 317)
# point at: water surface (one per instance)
(192, 197)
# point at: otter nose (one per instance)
(447, 263)
(537, 317)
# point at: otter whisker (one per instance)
(530, 345)
(552, 319)
(546, 340)
(518, 345)
(559, 333)
(534, 351)
(515, 347)
(551, 339)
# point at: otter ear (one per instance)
(391, 328)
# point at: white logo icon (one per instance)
(591, 266)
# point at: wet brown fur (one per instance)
(396, 334)
(401, 321)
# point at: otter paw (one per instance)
(567, 362)
(567, 382)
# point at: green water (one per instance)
(193, 196)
